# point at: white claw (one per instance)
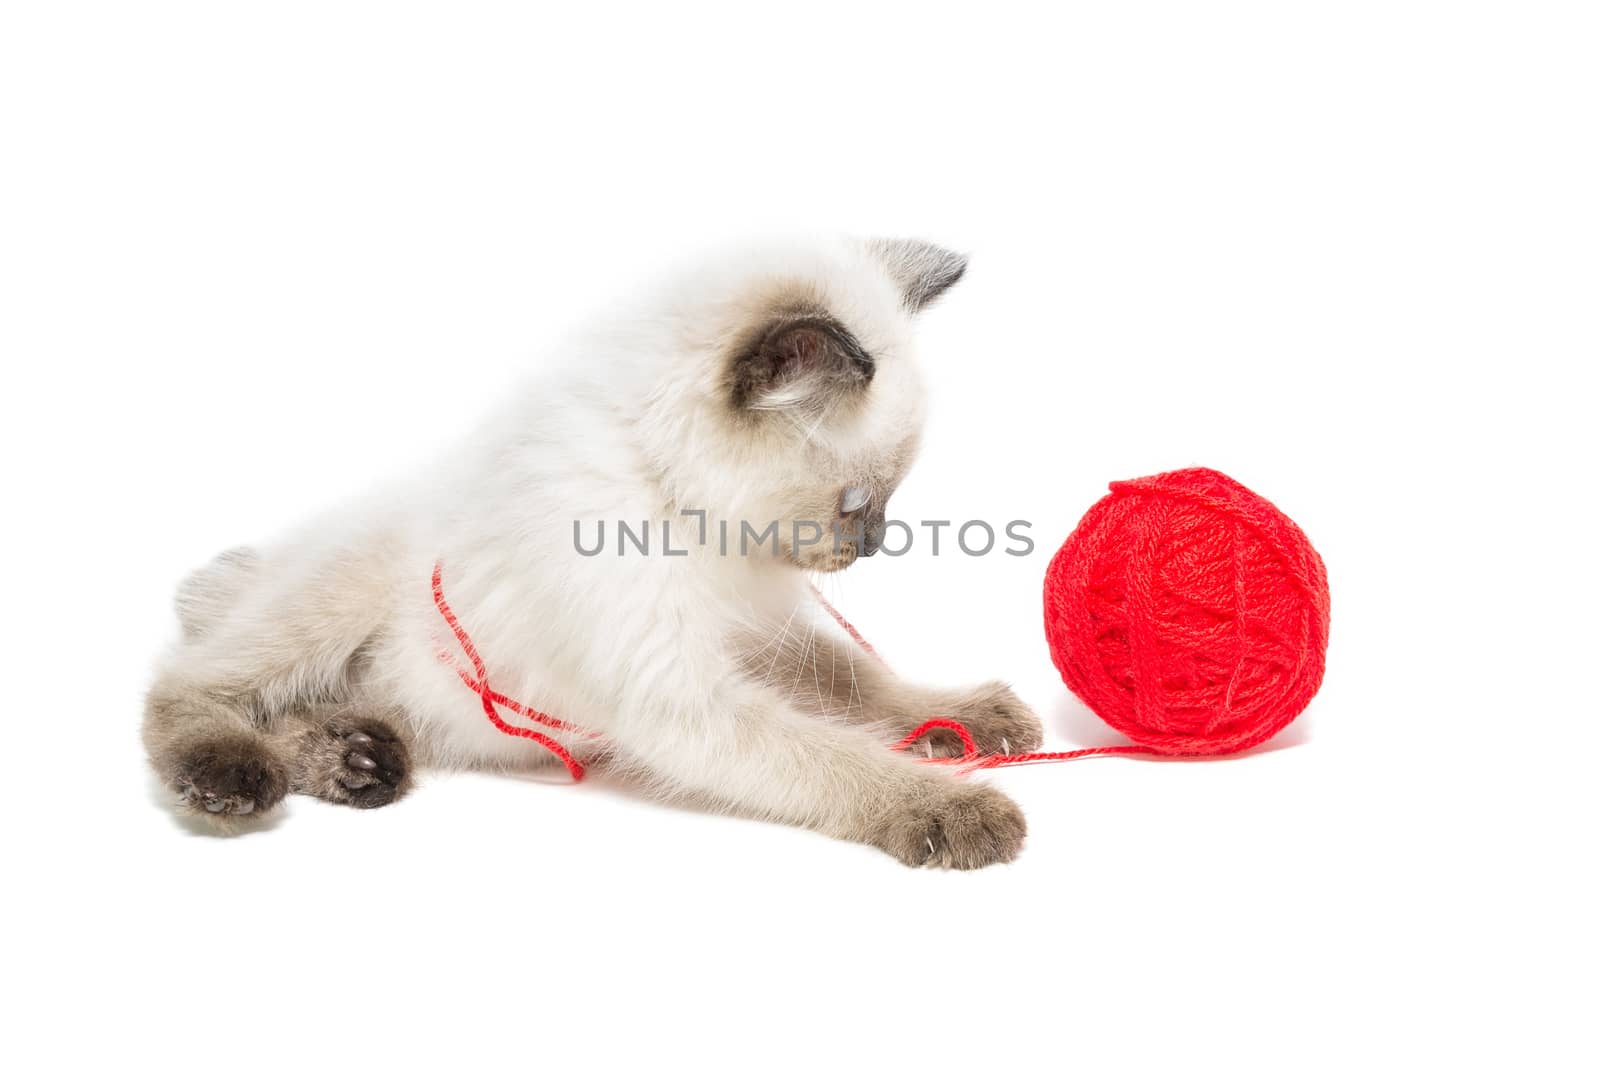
(930, 749)
(1005, 746)
(929, 840)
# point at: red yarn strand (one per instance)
(972, 760)
(480, 685)
(845, 623)
(506, 702)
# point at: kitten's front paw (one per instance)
(355, 761)
(962, 825)
(230, 779)
(997, 719)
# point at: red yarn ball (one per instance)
(1188, 613)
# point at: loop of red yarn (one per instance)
(1188, 613)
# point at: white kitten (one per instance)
(776, 386)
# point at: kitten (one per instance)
(777, 384)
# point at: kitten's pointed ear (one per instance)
(922, 270)
(799, 361)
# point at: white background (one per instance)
(255, 257)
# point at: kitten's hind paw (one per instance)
(356, 761)
(231, 779)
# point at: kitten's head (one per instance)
(807, 402)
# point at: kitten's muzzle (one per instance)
(862, 517)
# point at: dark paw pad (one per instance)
(360, 762)
(231, 777)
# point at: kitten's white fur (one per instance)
(630, 422)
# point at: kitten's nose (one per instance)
(872, 533)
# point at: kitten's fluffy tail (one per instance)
(206, 595)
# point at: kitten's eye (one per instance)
(855, 498)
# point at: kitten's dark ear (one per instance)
(922, 270)
(800, 360)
